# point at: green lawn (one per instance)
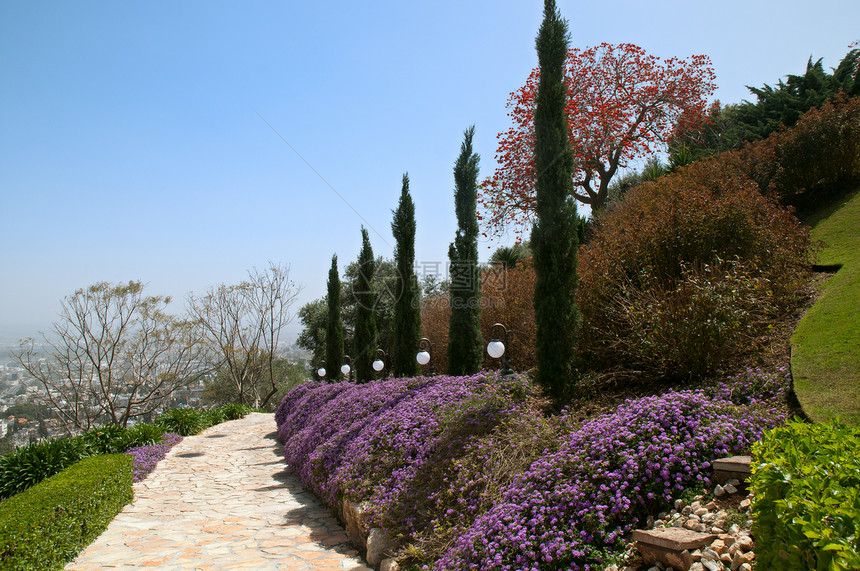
(826, 345)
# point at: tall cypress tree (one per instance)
(465, 343)
(334, 330)
(554, 240)
(364, 344)
(407, 309)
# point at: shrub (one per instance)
(143, 434)
(684, 244)
(185, 421)
(806, 510)
(29, 465)
(108, 439)
(147, 456)
(570, 506)
(233, 411)
(47, 525)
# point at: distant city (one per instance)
(25, 417)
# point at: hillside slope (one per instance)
(826, 345)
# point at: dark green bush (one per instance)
(47, 525)
(109, 439)
(806, 512)
(29, 465)
(185, 421)
(233, 411)
(143, 435)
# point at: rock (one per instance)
(718, 530)
(726, 559)
(690, 524)
(353, 519)
(734, 482)
(749, 557)
(670, 546)
(710, 555)
(697, 567)
(712, 565)
(737, 560)
(701, 511)
(712, 505)
(697, 554)
(730, 489)
(719, 546)
(679, 504)
(649, 523)
(719, 491)
(378, 543)
(745, 567)
(687, 510)
(745, 542)
(696, 505)
(745, 504)
(734, 529)
(678, 522)
(391, 564)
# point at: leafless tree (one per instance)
(113, 355)
(242, 325)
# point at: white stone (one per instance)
(719, 491)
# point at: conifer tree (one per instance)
(334, 330)
(407, 309)
(364, 343)
(465, 343)
(554, 240)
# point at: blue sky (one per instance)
(134, 141)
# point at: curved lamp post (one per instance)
(321, 370)
(346, 368)
(496, 347)
(380, 362)
(425, 354)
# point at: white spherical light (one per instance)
(378, 365)
(423, 357)
(344, 369)
(321, 372)
(496, 348)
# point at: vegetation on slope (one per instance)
(826, 345)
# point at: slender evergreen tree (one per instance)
(334, 330)
(364, 341)
(407, 308)
(465, 343)
(554, 239)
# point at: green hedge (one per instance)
(46, 526)
(806, 512)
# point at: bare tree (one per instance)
(242, 326)
(113, 355)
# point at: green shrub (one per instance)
(684, 244)
(29, 465)
(806, 512)
(109, 439)
(185, 421)
(47, 525)
(233, 411)
(143, 435)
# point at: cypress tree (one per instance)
(554, 239)
(465, 343)
(364, 344)
(407, 309)
(334, 329)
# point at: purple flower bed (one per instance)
(412, 451)
(146, 457)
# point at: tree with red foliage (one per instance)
(622, 104)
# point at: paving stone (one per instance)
(233, 507)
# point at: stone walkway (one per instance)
(223, 500)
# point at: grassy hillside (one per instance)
(826, 344)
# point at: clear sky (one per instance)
(135, 138)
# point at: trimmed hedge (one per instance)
(806, 513)
(46, 526)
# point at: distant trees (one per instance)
(334, 329)
(465, 343)
(221, 389)
(241, 325)
(621, 105)
(554, 235)
(114, 355)
(365, 340)
(407, 293)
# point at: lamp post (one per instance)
(496, 347)
(321, 370)
(379, 364)
(346, 368)
(425, 354)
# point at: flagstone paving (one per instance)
(223, 500)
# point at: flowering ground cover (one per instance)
(146, 457)
(471, 474)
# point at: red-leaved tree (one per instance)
(622, 105)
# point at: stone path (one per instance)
(223, 500)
